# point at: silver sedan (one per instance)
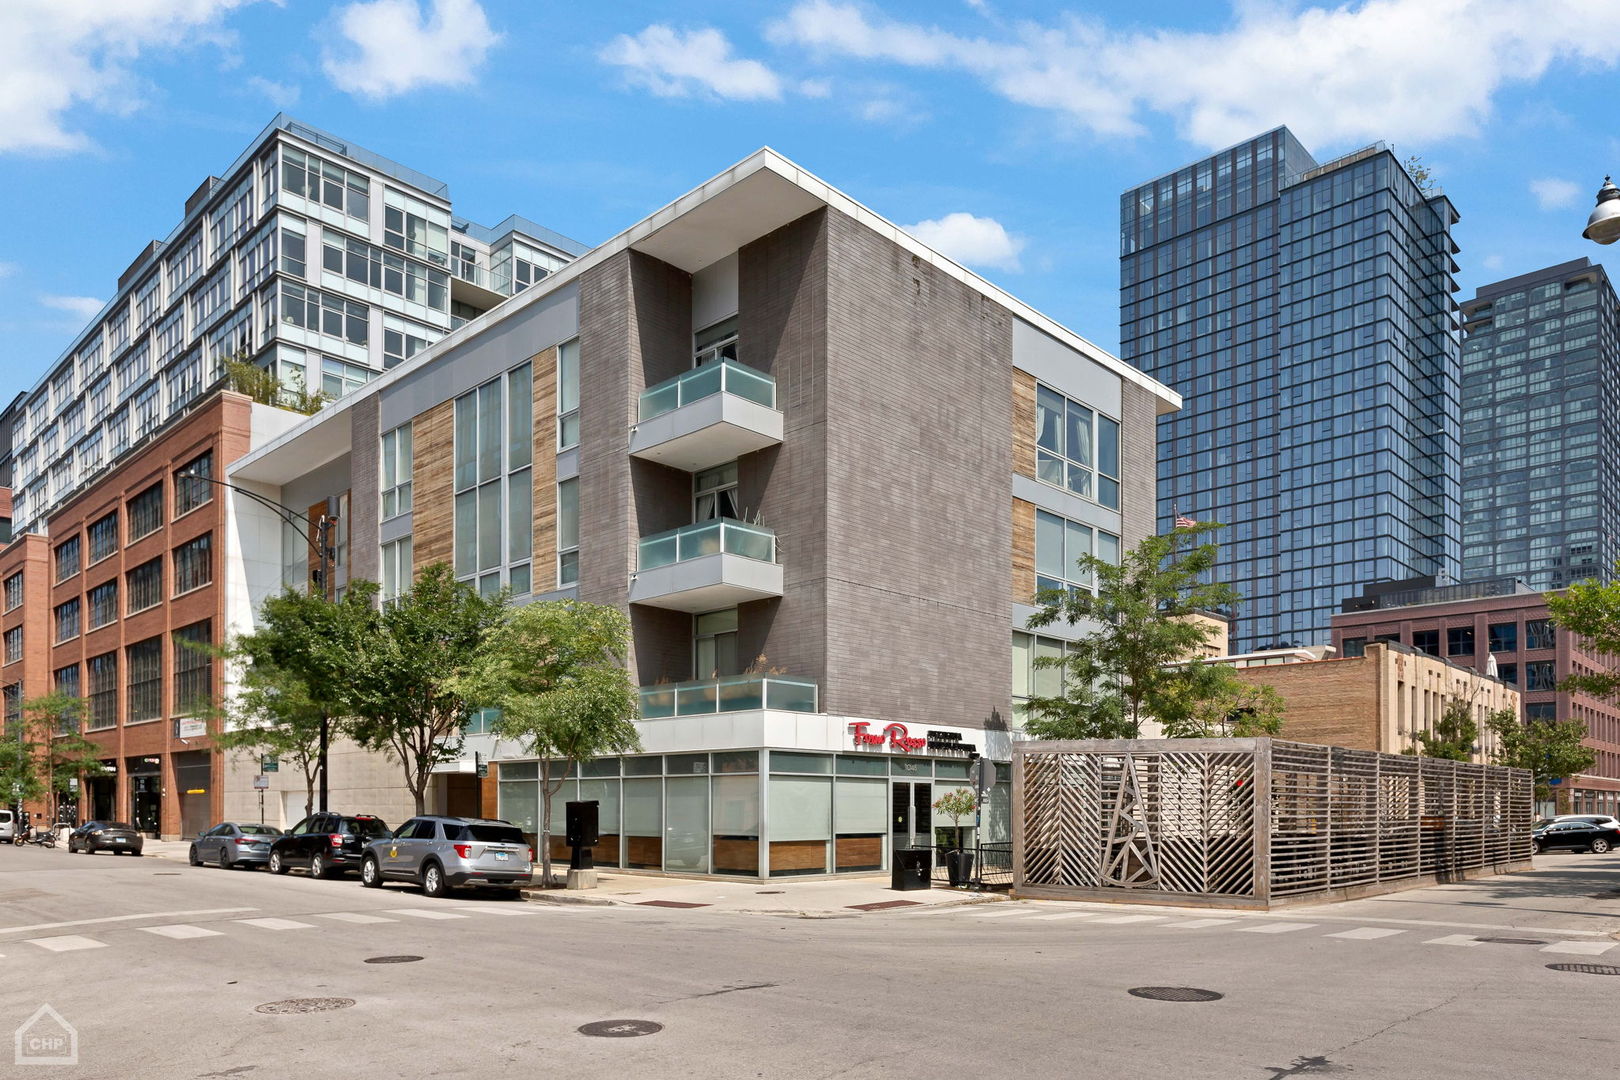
(232, 844)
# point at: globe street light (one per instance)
(1603, 227)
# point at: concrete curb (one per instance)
(555, 896)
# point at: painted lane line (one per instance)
(1276, 927)
(1122, 919)
(425, 913)
(995, 914)
(1581, 948)
(1322, 916)
(1366, 933)
(1462, 941)
(67, 943)
(277, 924)
(353, 917)
(180, 931)
(1194, 924)
(126, 918)
(1062, 915)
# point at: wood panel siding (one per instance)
(433, 453)
(1023, 552)
(799, 855)
(733, 856)
(644, 852)
(859, 852)
(544, 570)
(1023, 423)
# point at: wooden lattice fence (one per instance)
(1255, 822)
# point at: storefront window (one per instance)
(605, 792)
(643, 822)
(686, 824)
(686, 764)
(860, 814)
(643, 766)
(800, 823)
(788, 761)
(909, 767)
(738, 761)
(736, 823)
(863, 766)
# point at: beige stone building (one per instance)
(1381, 700)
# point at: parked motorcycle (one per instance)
(30, 835)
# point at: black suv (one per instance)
(325, 843)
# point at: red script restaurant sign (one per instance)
(895, 735)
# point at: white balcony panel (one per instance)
(708, 432)
(707, 583)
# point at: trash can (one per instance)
(911, 869)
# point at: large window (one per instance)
(1504, 637)
(325, 313)
(192, 483)
(65, 681)
(193, 564)
(494, 484)
(103, 603)
(103, 533)
(1030, 679)
(567, 395)
(145, 512)
(714, 644)
(14, 591)
(396, 568)
(1076, 447)
(1059, 546)
(416, 228)
(1539, 634)
(143, 668)
(1540, 675)
(321, 181)
(103, 697)
(1426, 641)
(67, 620)
(14, 644)
(715, 344)
(67, 558)
(568, 532)
(396, 472)
(12, 696)
(714, 493)
(193, 668)
(1460, 641)
(144, 586)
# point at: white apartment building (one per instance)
(319, 260)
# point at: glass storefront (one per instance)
(803, 814)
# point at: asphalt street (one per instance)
(161, 969)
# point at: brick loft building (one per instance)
(821, 466)
(1498, 623)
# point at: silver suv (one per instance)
(440, 853)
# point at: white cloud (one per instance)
(1555, 194)
(970, 240)
(56, 55)
(675, 63)
(7, 269)
(1492, 262)
(81, 307)
(1395, 69)
(394, 46)
(281, 95)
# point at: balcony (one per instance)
(703, 567)
(733, 693)
(707, 416)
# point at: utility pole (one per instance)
(323, 531)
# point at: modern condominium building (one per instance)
(1305, 312)
(1540, 449)
(317, 260)
(822, 467)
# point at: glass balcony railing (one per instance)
(733, 693)
(726, 377)
(722, 535)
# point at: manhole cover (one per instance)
(304, 1005)
(1512, 940)
(621, 1029)
(392, 959)
(1586, 969)
(1174, 993)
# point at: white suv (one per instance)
(8, 826)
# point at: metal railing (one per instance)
(991, 868)
(726, 377)
(734, 693)
(722, 535)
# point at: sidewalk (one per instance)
(821, 899)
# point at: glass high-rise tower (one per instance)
(1305, 313)
(1540, 449)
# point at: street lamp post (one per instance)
(320, 542)
(1603, 226)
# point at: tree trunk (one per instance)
(545, 823)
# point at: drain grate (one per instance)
(1586, 969)
(771, 892)
(621, 1029)
(1174, 993)
(392, 959)
(670, 904)
(304, 1005)
(1511, 940)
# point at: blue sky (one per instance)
(1004, 130)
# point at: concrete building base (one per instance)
(582, 879)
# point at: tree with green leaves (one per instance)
(556, 671)
(1455, 736)
(1137, 664)
(406, 664)
(289, 673)
(245, 377)
(1212, 702)
(1549, 749)
(1591, 611)
(52, 755)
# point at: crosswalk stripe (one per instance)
(1580, 948)
(1121, 919)
(352, 917)
(1276, 927)
(180, 931)
(425, 913)
(995, 914)
(1366, 933)
(1062, 915)
(1466, 941)
(277, 924)
(1194, 924)
(67, 943)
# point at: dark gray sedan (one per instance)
(114, 836)
(232, 844)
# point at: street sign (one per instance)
(480, 766)
(982, 775)
(269, 764)
(261, 782)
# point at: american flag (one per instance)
(1183, 522)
